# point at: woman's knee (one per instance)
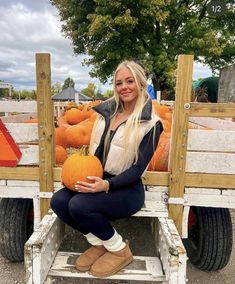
(79, 207)
(60, 200)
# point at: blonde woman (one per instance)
(124, 138)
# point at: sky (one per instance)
(32, 26)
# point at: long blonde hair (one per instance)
(132, 139)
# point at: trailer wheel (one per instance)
(16, 226)
(209, 242)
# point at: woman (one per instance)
(124, 138)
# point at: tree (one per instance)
(24, 95)
(90, 91)
(56, 88)
(68, 83)
(108, 94)
(153, 31)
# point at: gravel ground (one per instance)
(13, 273)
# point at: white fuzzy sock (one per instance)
(115, 243)
(93, 240)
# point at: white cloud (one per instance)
(28, 27)
(201, 71)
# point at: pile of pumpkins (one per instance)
(75, 127)
(159, 161)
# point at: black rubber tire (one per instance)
(16, 226)
(210, 238)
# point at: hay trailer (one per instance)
(191, 201)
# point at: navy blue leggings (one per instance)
(92, 212)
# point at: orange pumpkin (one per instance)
(79, 135)
(93, 117)
(74, 116)
(60, 138)
(60, 155)
(62, 121)
(77, 167)
(159, 161)
(166, 125)
(161, 110)
(87, 111)
(168, 116)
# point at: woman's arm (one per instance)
(146, 151)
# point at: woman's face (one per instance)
(126, 86)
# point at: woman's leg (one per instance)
(59, 204)
(93, 211)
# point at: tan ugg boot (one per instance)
(86, 259)
(112, 262)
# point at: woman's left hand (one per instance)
(97, 185)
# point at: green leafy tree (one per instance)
(24, 95)
(90, 91)
(68, 83)
(108, 94)
(152, 31)
(56, 88)
(5, 92)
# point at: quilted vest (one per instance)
(114, 163)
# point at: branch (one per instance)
(203, 11)
(158, 32)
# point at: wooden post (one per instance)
(180, 135)
(45, 127)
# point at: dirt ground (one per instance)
(13, 273)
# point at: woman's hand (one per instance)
(97, 185)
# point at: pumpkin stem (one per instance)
(84, 150)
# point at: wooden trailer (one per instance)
(190, 201)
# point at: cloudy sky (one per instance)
(28, 27)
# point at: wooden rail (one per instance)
(45, 127)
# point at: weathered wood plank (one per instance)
(22, 183)
(210, 180)
(179, 135)
(212, 109)
(201, 162)
(141, 269)
(213, 122)
(205, 197)
(41, 248)
(209, 200)
(156, 178)
(18, 106)
(30, 155)
(153, 209)
(3, 182)
(18, 191)
(172, 252)
(19, 118)
(45, 126)
(211, 140)
(23, 132)
(19, 173)
(202, 191)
